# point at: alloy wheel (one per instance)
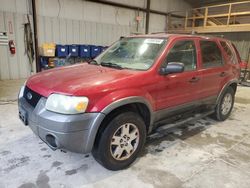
(226, 104)
(124, 141)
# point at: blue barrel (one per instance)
(44, 62)
(84, 51)
(74, 50)
(94, 51)
(62, 50)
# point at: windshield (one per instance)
(132, 53)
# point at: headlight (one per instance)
(66, 104)
(20, 95)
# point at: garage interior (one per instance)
(36, 35)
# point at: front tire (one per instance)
(225, 105)
(121, 141)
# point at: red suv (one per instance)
(108, 105)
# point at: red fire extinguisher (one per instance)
(12, 47)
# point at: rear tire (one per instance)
(225, 105)
(120, 143)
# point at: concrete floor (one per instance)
(202, 154)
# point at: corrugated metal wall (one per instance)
(68, 31)
(73, 22)
(13, 66)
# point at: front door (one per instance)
(180, 88)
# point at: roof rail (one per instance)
(159, 32)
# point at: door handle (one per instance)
(222, 74)
(194, 79)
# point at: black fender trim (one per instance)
(224, 88)
(130, 100)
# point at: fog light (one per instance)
(51, 140)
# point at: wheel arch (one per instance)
(231, 83)
(135, 104)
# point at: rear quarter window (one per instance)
(237, 53)
(227, 48)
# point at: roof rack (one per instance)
(177, 32)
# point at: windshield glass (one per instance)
(132, 53)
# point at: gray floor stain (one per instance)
(42, 180)
(27, 185)
(46, 156)
(242, 101)
(70, 172)
(159, 150)
(44, 149)
(159, 178)
(56, 164)
(4, 153)
(208, 123)
(83, 167)
(17, 162)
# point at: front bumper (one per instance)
(74, 133)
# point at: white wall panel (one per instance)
(99, 31)
(69, 31)
(8, 5)
(41, 29)
(24, 67)
(104, 34)
(4, 65)
(76, 32)
(63, 31)
(169, 5)
(48, 30)
(138, 3)
(12, 59)
(157, 23)
(13, 66)
(56, 30)
(91, 11)
(88, 32)
(82, 32)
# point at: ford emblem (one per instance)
(29, 96)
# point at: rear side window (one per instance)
(237, 53)
(211, 54)
(227, 49)
(183, 52)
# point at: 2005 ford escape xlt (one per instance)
(109, 105)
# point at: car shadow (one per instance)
(175, 134)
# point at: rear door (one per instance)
(214, 68)
(181, 88)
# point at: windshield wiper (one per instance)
(113, 65)
(93, 62)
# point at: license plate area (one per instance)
(23, 115)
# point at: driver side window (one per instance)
(183, 52)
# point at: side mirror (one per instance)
(172, 67)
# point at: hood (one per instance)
(76, 79)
